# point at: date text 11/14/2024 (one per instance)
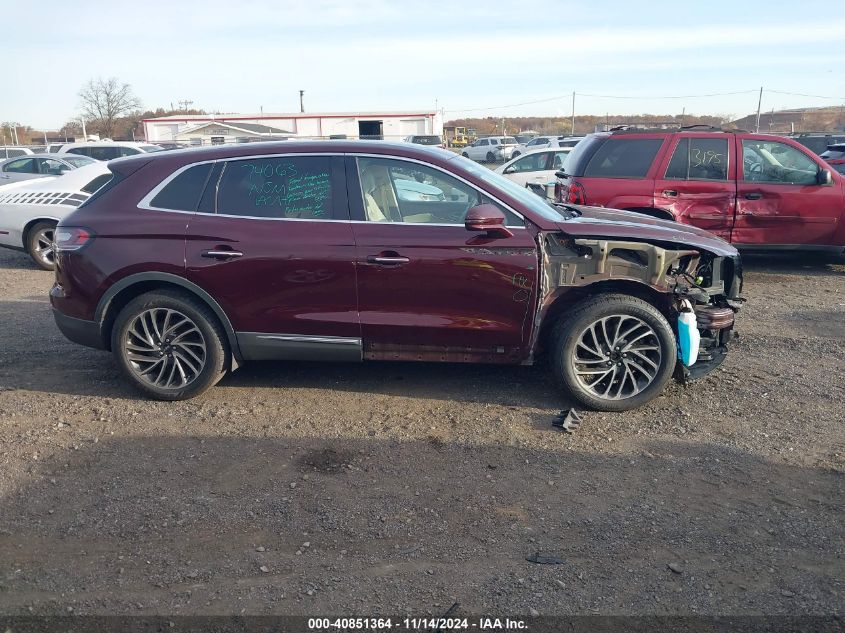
(416, 624)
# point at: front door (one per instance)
(698, 183)
(428, 289)
(779, 198)
(274, 247)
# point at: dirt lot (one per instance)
(392, 488)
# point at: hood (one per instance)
(612, 223)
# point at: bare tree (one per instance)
(106, 100)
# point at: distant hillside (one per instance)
(583, 124)
(831, 119)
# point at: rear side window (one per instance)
(22, 166)
(699, 159)
(99, 153)
(184, 191)
(279, 187)
(623, 158)
(98, 182)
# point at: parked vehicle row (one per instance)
(187, 264)
(491, 149)
(543, 142)
(753, 190)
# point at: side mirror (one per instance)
(488, 218)
(510, 170)
(824, 177)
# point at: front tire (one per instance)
(39, 245)
(170, 346)
(514, 155)
(614, 352)
(464, 154)
(490, 157)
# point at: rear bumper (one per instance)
(79, 330)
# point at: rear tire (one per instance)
(39, 245)
(613, 352)
(464, 154)
(514, 155)
(169, 346)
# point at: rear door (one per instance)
(621, 172)
(428, 289)
(273, 245)
(779, 198)
(697, 182)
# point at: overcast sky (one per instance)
(468, 57)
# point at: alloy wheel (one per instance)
(44, 248)
(165, 348)
(617, 357)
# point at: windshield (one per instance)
(427, 140)
(538, 205)
(78, 161)
(150, 148)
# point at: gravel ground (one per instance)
(392, 488)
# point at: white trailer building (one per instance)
(205, 129)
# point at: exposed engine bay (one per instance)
(691, 280)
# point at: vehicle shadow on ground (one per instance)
(799, 264)
(196, 524)
(37, 357)
(16, 260)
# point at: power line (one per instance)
(712, 94)
(801, 94)
(637, 97)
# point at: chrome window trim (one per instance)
(521, 216)
(147, 199)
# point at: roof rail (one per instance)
(696, 126)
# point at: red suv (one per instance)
(754, 190)
(188, 263)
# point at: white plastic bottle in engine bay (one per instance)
(689, 337)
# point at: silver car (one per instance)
(39, 166)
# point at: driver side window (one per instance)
(400, 191)
(779, 163)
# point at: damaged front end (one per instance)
(676, 278)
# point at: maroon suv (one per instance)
(188, 263)
(757, 191)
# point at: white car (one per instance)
(491, 149)
(414, 191)
(39, 166)
(107, 150)
(12, 151)
(546, 142)
(30, 209)
(536, 169)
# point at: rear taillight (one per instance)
(576, 193)
(71, 238)
(573, 193)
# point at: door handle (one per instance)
(670, 193)
(754, 195)
(220, 253)
(387, 260)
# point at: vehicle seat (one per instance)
(380, 204)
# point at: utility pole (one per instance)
(301, 101)
(683, 113)
(185, 103)
(573, 113)
(759, 103)
(84, 133)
